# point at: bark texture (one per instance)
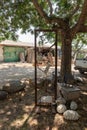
(66, 56)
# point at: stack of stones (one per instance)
(69, 112)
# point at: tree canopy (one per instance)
(6, 29)
(69, 16)
(22, 14)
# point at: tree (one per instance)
(68, 16)
(6, 30)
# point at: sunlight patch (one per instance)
(19, 122)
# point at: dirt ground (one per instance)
(17, 112)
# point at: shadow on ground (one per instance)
(17, 112)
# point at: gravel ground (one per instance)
(18, 71)
(10, 71)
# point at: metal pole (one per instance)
(35, 70)
(56, 65)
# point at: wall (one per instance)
(11, 54)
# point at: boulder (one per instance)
(14, 86)
(61, 108)
(46, 99)
(73, 105)
(71, 115)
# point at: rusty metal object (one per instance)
(55, 83)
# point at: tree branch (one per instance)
(50, 5)
(83, 15)
(40, 11)
(79, 27)
(74, 11)
(48, 19)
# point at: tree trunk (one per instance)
(66, 57)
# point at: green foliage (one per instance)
(46, 37)
(78, 44)
(80, 41)
(24, 14)
(21, 14)
(6, 30)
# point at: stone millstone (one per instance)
(14, 86)
(3, 95)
